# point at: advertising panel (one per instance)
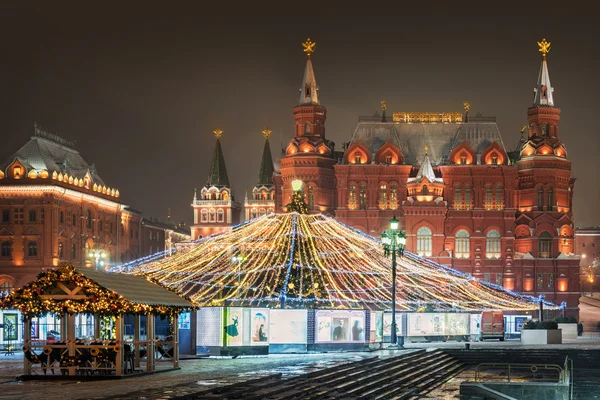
(233, 326)
(340, 326)
(456, 324)
(287, 327)
(260, 326)
(475, 325)
(376, 332)
(426, 324)
(387, 324)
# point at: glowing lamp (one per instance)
(394, 224)
(297, 185)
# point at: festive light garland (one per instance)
(299, 260)
(32, 302)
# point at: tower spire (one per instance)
(265, 175)
(426, 170)
(383, 108)
(218, 171)
(309, 92)
(542, 93)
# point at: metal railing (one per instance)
(511, 367)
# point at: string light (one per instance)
(304, 260)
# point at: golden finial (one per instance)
(467, 106)
(218, 133)
(523, 128)
(383, 105)
(544, 47)
(426, 149)
(309, 47)
(266, 133)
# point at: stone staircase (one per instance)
(406, 376)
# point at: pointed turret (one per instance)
(542, 93)
(383, 108)
(218, 171)
(426, 170)
(265, 175)
(309, 91)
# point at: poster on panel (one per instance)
(233, 326)
(260, 326)
(340, 326)
(425, 324)
(475, 325)
(387, 324)
(287, 327)
(456, 324)
(376, 331)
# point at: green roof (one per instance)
(218, 171)
(265, 176)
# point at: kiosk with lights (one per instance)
(68, 292)
(305, 282)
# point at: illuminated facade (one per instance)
(56, 208)
(216, 209)
(462, 198)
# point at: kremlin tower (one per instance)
(263, 195)
(216, 209)
(309, 155)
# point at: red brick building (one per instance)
(55, 207)
(461, 197)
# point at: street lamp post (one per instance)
(393, 240)
(97, 256)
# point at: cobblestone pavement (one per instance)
(197, 374)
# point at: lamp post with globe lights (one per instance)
(97, 257)
(393, 241)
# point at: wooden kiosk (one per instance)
(68, 292)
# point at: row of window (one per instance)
(494, 197)
(32, 249)
(19, 216)
(462, 244)
(254, 213)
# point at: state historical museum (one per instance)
(461, 197)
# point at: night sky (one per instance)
(140, 88)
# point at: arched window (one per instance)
(270, 211)
(492, 244)
(220, 215)
(262, 212)
(462, 244)
(488, 197)
(32, 249)
(550, 194)
(352, 197)
(363, 197)
(225, 195)
(212, 215)
(6, 288)
(468, 200)
(253, 213)
(457, 197)
(60, 250)
(88, 219)
(204, 215)
(357, 158)
(6, 249)
(545, 245)
(311, 198)
(499, 197)
(393, 197)
(383, 197)
(540, 198)
(424, 237)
